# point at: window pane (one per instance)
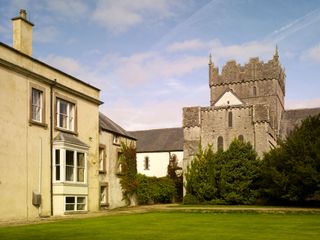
(69, 173)
(70, 207)
(71, 116)
(62, 121)
(69, 165)
(80, 175)
(36, 104)
(57, 160)
(101, 158)
(70, 199)
(63, 107)
(80, 159)
(69, 157)
(103, 194)
(80, 167)
(70, 203)
(81, 203)
(81, 200)
(81, 207)
(57, 156)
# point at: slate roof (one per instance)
(159, 140)
(293, 117)
(69, 138)
(108, 125)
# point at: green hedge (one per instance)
(154, 190)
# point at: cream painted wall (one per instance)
(24, 151)
(25, 147)
(158, 162)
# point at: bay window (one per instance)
(70, 166)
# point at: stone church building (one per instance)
(246, 102)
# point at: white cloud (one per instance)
(45, 34)
(295, 26)
(240, 52)
(302, 103)
(120, 15)
(148, 115)
(312, 54)
(71, 8)
(143, 67)
(193, 44)
(75, 68)
(68, 65)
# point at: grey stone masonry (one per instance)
(246, 102)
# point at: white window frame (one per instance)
(62, 152)
(76, 203)
(69, 115)
(37, 106)
(102, 158)
(104, 200)
(116, 139)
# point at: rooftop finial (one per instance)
(210, 59)
(276, 53)
(23, 13)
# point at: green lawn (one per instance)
(175, 225)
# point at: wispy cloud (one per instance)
(73, 9)
(294, 26)
(302, 103)
(312, 54)
(142, 67)
(119, 16)
(45, 34)
(193, 44)
(240, 52)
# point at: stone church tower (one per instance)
(247, 102)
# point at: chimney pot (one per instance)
(23, 13)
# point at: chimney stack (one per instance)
(22, 33)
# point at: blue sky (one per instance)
(149, 57)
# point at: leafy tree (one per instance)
(225, 176)
(291, 173)
(175, 174)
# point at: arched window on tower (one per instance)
(230, 119)
(220, 143)
(254, 91)
(241, 138)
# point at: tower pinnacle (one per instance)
(276, 53)
(210, 59)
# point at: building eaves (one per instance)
(48, 66)
(108, 125)
(159, 140)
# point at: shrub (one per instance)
(154, 190)
(189, 199)
(291, 173)
(224, 177)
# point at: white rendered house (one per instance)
(155, 148)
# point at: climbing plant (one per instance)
(128, 170)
